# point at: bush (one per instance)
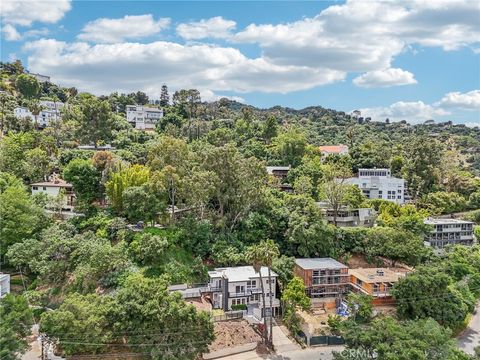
(239, 307)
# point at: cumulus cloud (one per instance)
(413, 111)
(216, 27)
(102, 68)
(363, 36)
(26, 12)
(385, 78)
(10, 33)
(465, 101)
(105, 30)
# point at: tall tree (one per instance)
(164, 97)
(28, 86)
(85, 179)
(95, 120)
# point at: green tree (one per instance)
(361, 307)
(290, 146)
(140, 204)
(164, 97)
(94, 120)
(123, 178)
(20, 217)
(17, 319)
(294, 298)
(27, 85)
(333, 188)
(85, 179)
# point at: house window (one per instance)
(376, 288)
(239, 289)
(44, 188)
(358, 282)
(35, 188)
(251, 284)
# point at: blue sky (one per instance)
(414, 60)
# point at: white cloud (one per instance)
(10, 33)
(208, 95)
(465, 101)
(216, 27)
(385, 78)
(26, 12)
(116, 30)
(363, 36)
(414, 112)
(103, 68)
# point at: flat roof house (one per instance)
(50, 112)
(241, 285)
(376, 282)
(280, 173)
(143, 117)
(379, 184)
(326, 280)
(346, 217)
(449, 232)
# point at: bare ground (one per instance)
(233, 333)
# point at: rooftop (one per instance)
(333, 149)
(441, 221)
(375, 275)
(319, 263)
(271, 169)
(239, 273)
(56, 183)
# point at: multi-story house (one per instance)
(143, 117)
(352, 217)
(50, 111)
(56, 188)
(280, 173)
(326, 280)
(327, 150)
(4, 284)
(241, 285)
(449, 232)
(376, 282)
(40, 78)
(379, 184)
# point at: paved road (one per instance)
(470, 338)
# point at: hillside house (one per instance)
(4, 284)
(50, 112)
(280, 173)
(376, 282)
(143, 117)
(56, 188)
(379, 184)
(327, 150)
(449, 232)
(326, 280)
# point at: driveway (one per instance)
(470, 338)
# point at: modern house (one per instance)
(40, 78)
(379, 184)
(347, 217)
(449, 232)
(143, 117)
(241, 285)
(54, 188)
(376, 282)
(4, 284)
(326, 280)
(280, 173)
(333, 150)
(50, 111)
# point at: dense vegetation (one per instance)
(199, 184)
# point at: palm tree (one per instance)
(260, 255)
(35, 108)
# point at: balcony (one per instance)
(247, 292)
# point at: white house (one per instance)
(4, 284)
(40, 78)
(379, 184)
(53, 188)
(143, 117)
(50, 112)
(327, 150)
(449, 232)
(241, 285)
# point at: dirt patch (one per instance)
(315, 323)
(359, 261)
(233, 333)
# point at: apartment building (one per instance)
(241, 285)
(143, 117)
(376, 282)
(449, 232)
(379, 184)
(326, 280)
(50, 112)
